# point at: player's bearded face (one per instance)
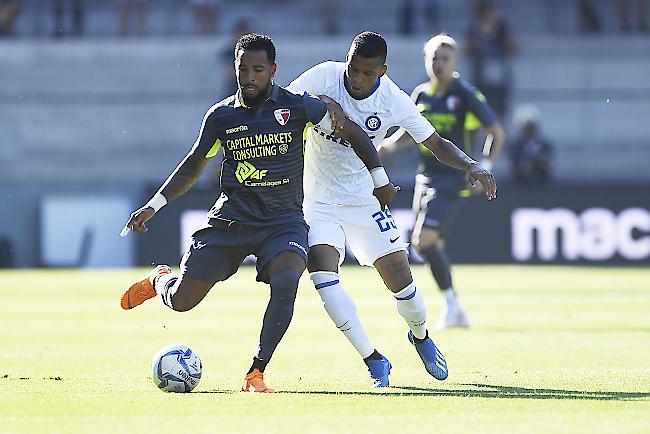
(254, 73)
(361, 75)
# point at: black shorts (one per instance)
(436, 205)
(217, 251)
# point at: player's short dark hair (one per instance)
(255, 41)
(370, 45)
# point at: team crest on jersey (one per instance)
(453, 102)
(282, 116)
(373, 122)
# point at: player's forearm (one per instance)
(448, 153)
(362, 145)
(183, 178)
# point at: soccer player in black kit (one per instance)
(259, 211)
(451, 105)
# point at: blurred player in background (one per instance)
(449, 103)
(259, 210)
(339, 205)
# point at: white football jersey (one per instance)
(333, 172)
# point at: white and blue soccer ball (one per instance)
(176, 368)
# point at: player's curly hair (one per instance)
(370, 45)
(256, 41)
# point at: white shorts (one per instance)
(370, 232)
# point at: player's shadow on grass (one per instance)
(480, 391)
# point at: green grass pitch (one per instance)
(551, 350)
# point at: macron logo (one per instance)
(293, 243)
(237, 129)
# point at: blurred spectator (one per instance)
(588, 19)
(9, 10)
(490, 46)
(406, 16)
(431, 15)
(531, 153)
(641, 15)
(127, 12)
(226, 59)
(75, 9)
(329, 14)
(206, 13)
(6, 252)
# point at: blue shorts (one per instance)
(436, 206)
(218, 249)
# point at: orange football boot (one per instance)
(143, 290)
(254, 382)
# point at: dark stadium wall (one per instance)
(588, 225)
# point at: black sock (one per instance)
(374, 356)
(258, 364)
(419, 341)
(439, 264)
(278, 313)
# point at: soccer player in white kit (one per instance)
(339, 204)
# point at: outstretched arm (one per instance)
(449, 154)
(399, 140)
(181, 179)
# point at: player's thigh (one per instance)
(435, 217)
(371, 233)
(273, 244)
(213, 256)
(325, 229)
(395, 271)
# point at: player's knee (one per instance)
(284, 287)
(428, 238)
(323, 258)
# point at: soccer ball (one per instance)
(176, 368)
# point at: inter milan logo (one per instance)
(282, 116)
(373, 123)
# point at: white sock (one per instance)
(410, 304)
(341, 309)
(165, 286)
(450, 295)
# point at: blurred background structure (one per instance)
(99, 100)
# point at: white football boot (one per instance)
(452, 315)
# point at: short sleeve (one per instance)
(412, 120)
(478, 107)
(207, 143)
(315, 110)
(311, 81)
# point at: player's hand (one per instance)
(385, 194)
(139, 218)
(483, 180)
(336, 113)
